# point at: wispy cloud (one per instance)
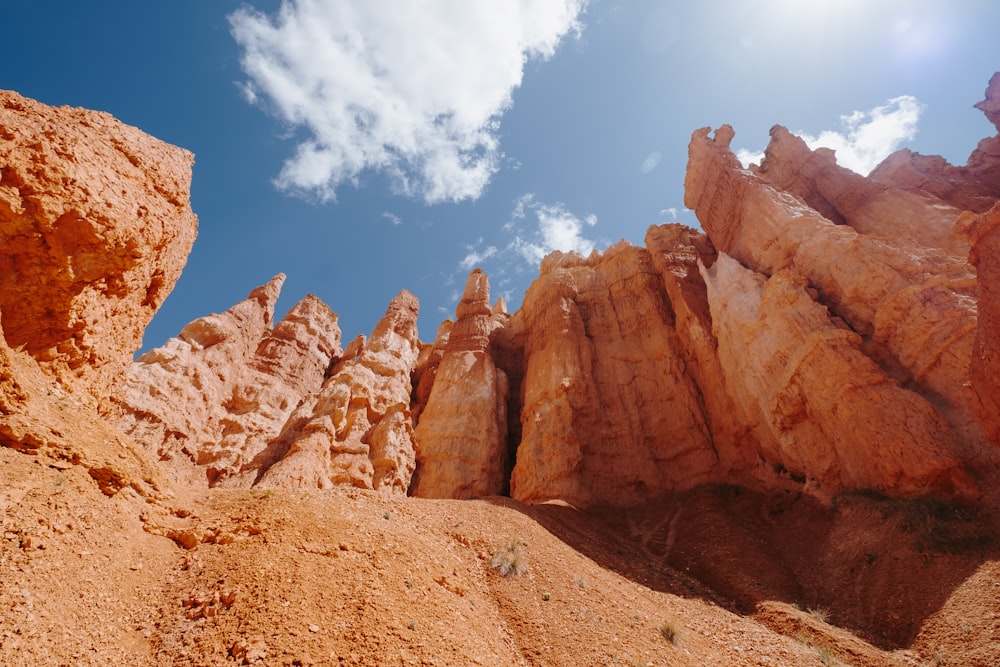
(392, 217)
(412, 90)
(476, 256)
(651, 162)
(553, 227)
(865, 138)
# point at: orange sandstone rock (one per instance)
(357, 429)
(913, 306)
(844, 197)
(461, 436)
(985, 367)
(210, 401)
(819, 407)
(96, 226)
(610, 413)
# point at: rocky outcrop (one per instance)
(827, 333)
(609, 412)
(914, 307)
(819, 407)
(41, 418)
(985, 366)
(462, 449)
(678, 253)
(357, 430)
(96, 225)
(847, 198)
(208, 402)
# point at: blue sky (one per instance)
(367, 146)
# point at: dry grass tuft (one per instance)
(509, 560)
(670, 630)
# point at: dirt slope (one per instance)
(352, 577)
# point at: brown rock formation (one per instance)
(462, 433)
(208, 402)
(985, 366)
(678, 252)
(40, 417)
(357, 429)
(913, 306)
(96, 225)
(845, 197)
(820, 407)
(610, 413)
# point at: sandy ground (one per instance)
(716, 576)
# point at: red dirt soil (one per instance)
(350, 577)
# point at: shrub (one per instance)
(509, 560)
(670, 630)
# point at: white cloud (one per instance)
(865, 137)
(556, 229)
(392, 217)
(868, 137)
(651, 162)
(476, 256)
(747, 157)
(414, 90)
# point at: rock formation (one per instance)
(209, 401)
(96, 225)
(357, 429)
(609, 411)
(828, 332)
(461, 437)
(985, 366)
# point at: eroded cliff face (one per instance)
(357, 430)
(462, 449)
(825, 333)
(96, 225)
(210, 401)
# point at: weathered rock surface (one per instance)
(913, 306)
(39, 417)
(985, 366)
(357, 429)
(609, 412)
(972, 187)
(821, 408)
(829, 332)
(462, 449)
(96, 226)
(209, 401)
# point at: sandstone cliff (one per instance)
(827, 332)
(462, 449)
(212, 399)
(97, 225)
(356, 430)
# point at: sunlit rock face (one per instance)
(357, 429)
(824, 332)
(610, 412)
(461, 436)
(96, 226)
(209, 401)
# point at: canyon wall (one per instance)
(96, 223)
(825, 332)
